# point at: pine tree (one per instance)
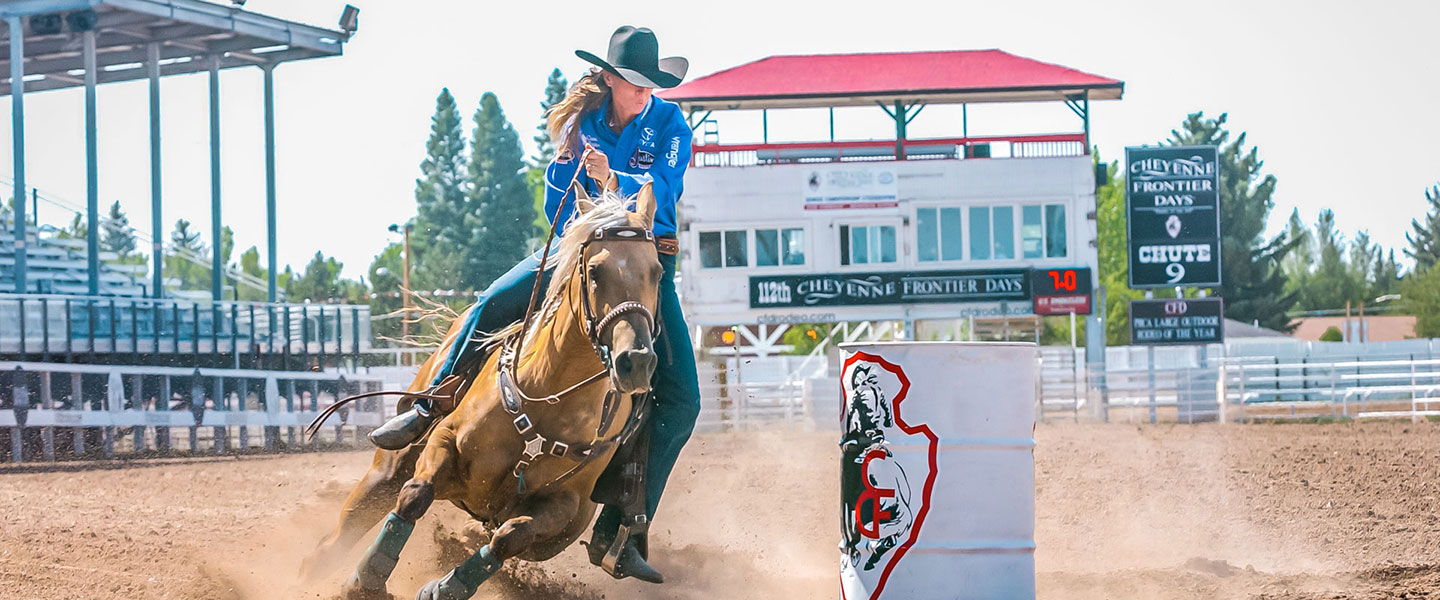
(442, 202)
(1386, 277)
(1333, 281)
(77, 230)
(1253, 283)
(186, 242)
(250, 265)
(1297, 264)
(1420, 293)
(1425, 239)
(504, 221)
(319, 282)
(385, 279)
(555, 90)
(1113, 256)
(115, 233)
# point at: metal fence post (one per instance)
(114, 402)
(20, 395)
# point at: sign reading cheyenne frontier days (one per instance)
(891, 287)
(1172, 199)
(851, 187)
(1177, 321)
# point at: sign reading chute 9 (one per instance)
(1172, 201)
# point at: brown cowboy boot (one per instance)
(407, 427)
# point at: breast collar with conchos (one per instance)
(512, 398)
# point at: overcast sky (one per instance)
(1340, 97)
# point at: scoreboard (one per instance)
(1061, 291)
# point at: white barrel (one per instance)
(937, 471)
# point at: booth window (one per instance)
(723, 249)
(992, 232)
(735, 255)
(867, 244)
(1055, 246)
(938, 234)
(979, 233)
(1002, 220)
(775, 247)
(1043, 236)
(1032, 231)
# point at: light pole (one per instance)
(404, 282)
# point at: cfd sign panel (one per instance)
(1177, 321)
(1172, 201)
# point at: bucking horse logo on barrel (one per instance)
(883, 503)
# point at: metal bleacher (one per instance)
(56, 265)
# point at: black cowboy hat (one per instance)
(634, 55)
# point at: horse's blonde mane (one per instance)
(609, 210)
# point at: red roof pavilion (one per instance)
(941, 77)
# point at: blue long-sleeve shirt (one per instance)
(655, 147)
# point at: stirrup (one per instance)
(402, 430)
(620, 556)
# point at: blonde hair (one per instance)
(562, 121)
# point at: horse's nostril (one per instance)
(623, 363)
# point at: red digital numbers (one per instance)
(1063, 280)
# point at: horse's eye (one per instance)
(594, 271)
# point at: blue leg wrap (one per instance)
(461, 583)
(382, 556)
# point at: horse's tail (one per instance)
(418, 387)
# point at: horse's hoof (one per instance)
(353, 591)
(431, 591)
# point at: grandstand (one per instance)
(100, 357)
(56, 265)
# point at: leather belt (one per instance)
(667, 245)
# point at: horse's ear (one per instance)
(580, 193)
(645, 203)
(584, 205)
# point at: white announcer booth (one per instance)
(959, 236)
(901, 229)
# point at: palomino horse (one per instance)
(532, 434)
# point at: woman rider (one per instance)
(627, 137)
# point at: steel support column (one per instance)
(92, 167)
(157, 229)
(899, 130)
(17, 124)
(269, 70)
(217, 271)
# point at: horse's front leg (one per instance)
(541, 518)
(414, 499)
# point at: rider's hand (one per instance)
(597, 165)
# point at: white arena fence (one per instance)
(1270, 381)
(54, 410)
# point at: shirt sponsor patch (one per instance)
(673, 155)
(642, 160)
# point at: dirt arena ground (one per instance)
(1287, 512)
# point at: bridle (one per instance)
(594, 327)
